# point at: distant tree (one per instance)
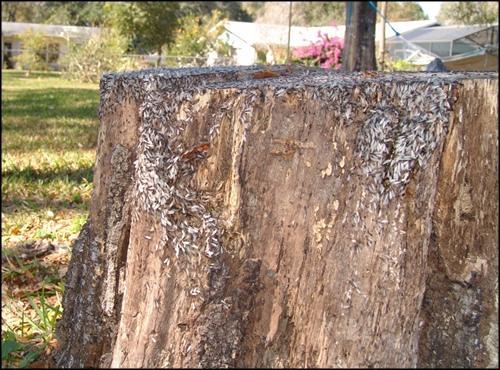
(253, 8)
(32, 57)
(23, 11)
(323, 13)
(232, 10)
(400, 11)
(198, 36)
(75, 13)
(149, 25)
(276, 12)
(92, 14)
(101, 53)
(15, 11)
(469, 12)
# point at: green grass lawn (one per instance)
(49, 136)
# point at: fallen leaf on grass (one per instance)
(59, 258)
(40, 364)
(15, 230)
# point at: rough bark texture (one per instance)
(289, 218)
(460, 307)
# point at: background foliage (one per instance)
(469, 12)
(149, 24)
(198, 35)
(92, 13)
(76, 13)
(233, 10)
(101, 53)
(49, 135)
(33, 56)
(326, 53)
(306, 13)
(323, 13)
(400, 11)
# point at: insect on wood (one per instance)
(265, 74)
(200, 149)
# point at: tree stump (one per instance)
(289, 217)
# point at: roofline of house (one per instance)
(422, 41)
(392, 38)
(337, 26)
(51, 25)
(470, 54)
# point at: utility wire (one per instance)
(372, 4)
(414, 46)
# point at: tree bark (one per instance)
(288, 218)
(359, 43)
(158, 61)
(383, 11)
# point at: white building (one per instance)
(472, 48)
(248, 38)
(58, 38)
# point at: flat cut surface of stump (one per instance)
(289, 217)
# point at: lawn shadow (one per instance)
(10, 74)
(19, 204)
(31, 174)
(72, 178)
(51, 118)
(75, 103)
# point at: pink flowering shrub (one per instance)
(326, 52)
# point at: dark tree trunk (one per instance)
(289, 218)
(158, 61)
(359, 42)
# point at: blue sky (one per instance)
(431, 8)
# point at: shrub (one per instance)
(325, 53)
(32, 57)
(101, 53)
(402, 65)
(199, 36)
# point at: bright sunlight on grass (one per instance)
(49, 134)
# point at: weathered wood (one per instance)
(294, 218)
(460, 307)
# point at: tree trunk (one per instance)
(288, 218)
(158, 62)
(383, 11)
(359, 46)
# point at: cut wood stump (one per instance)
(289, 217)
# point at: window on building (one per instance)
(398, 50)
(463, 46)
(395, 46)
(401, 54)
(7, 55)
(424, 45)
(485, 37)
(441, 49)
